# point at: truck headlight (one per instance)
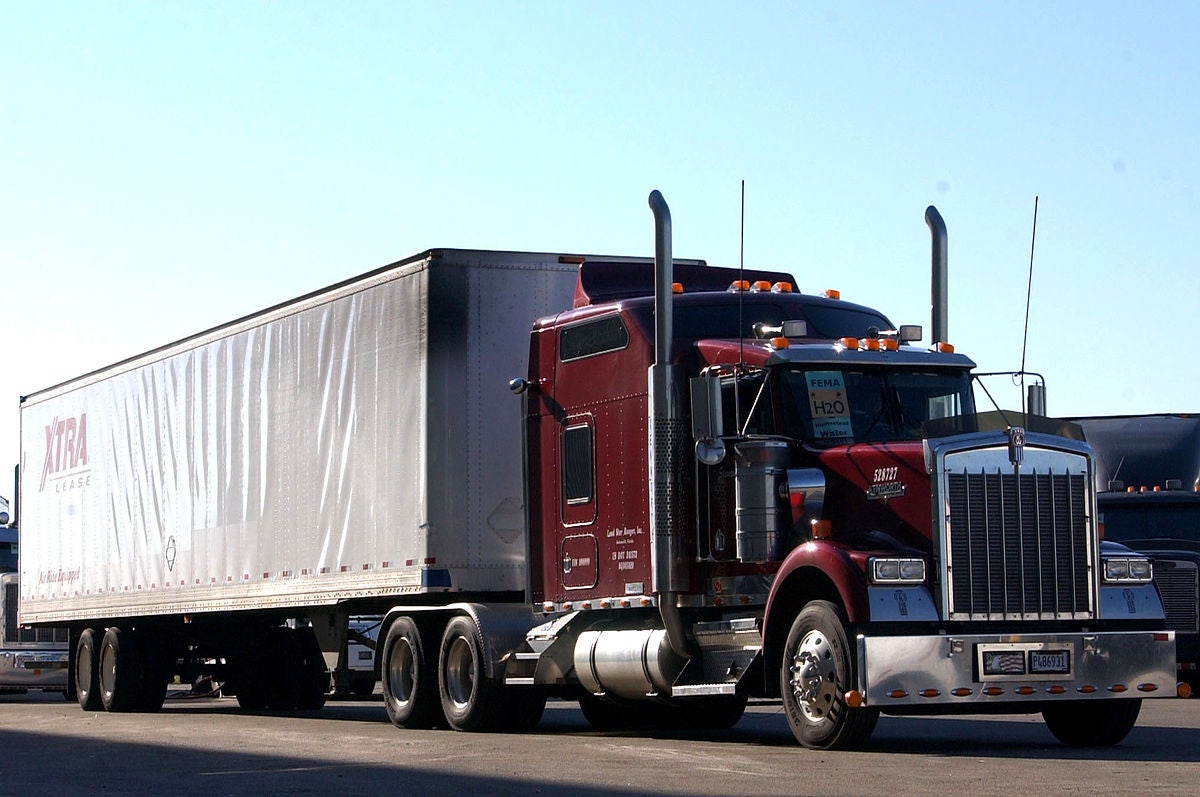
(1128, 570)
(894, 570)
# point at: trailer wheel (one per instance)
(1102, 723)
(409, 683)
(87, 673)
(814, 678)
(120, 670)
(470, 700)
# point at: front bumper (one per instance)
(993, 669)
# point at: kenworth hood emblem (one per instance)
(1016, 445)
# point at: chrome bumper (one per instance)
(983, 669)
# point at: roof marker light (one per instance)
(849, 343)
(782, 287)
(942, 348)
(779, 343)
(760, 285)
(676, 287)
(889, 344)
(832, 294)
(739, 285)
(869, 344)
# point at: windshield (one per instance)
(1144, 521)
(838, 405)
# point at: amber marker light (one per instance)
(993, 691)
(739, 285)
(781, 287)
(848, 343)
(889, 344)
(1118, 688)
(1087, 689)
(1183, 689)
(853, 698)
(676, 287)
(822, 529)
(779, 343)
(1147, 687)
(961, 691)
(832, 294)
(943, 348)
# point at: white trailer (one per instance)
(225, 502)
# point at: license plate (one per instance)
(1050, 662)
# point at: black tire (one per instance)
(471, 701)
(120, 670)
(87, 672)
(1101, 723)
(410, 689)
(813, 679)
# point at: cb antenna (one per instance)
(1028, 295)
(741, 333)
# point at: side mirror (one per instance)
(707, 426)
(910, 333)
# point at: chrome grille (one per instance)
(1018, 544)
(1177, 585)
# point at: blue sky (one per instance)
(170, 166)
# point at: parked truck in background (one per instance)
(709, 487)
(30, 658)
(1148, 490)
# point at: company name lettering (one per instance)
(58, 576)
(66, 448)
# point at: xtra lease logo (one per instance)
(66, 453)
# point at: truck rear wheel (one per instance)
(409, 683)
(470, 700)
(815, 675)
(120, 670)
(1102, 723)
(87, 673)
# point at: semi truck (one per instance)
(1148, 492)
(30, 658)
(654, 486)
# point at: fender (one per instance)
(834, 562)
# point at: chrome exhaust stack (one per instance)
(667, 435)
(940, 289)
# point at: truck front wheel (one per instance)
(470, 700)
(409, 681)
(813, 680)
(1102, 723)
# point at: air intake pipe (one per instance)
(940, 289)
(666, 427)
